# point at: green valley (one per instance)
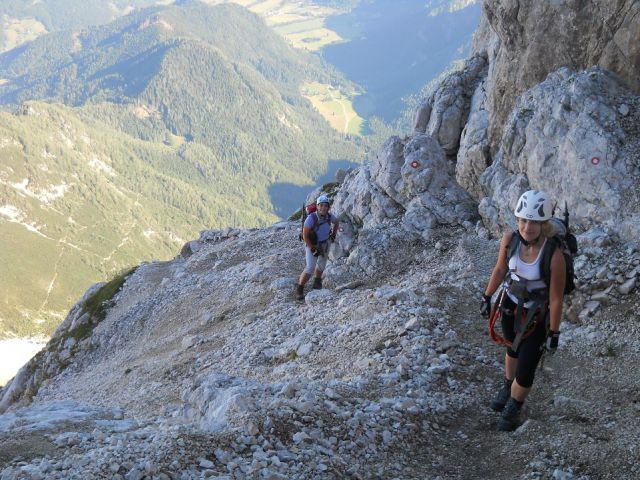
(81, 201)
(156, 126)
(335, 106)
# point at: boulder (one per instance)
(362, 201)
(415, 173)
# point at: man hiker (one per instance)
(319, 227)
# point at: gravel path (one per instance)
(206, 367)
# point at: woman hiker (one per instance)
(531, 308)
(319, 227)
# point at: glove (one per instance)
(315, 252)
(552, 341)
(485, 306)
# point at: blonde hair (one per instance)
(547, 229)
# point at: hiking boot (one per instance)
(299, 292)
(317, 283)
(510, 419)
(502, 397)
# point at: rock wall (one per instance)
(528, 40)
(533, 111)
(444, 113)
(577, 137)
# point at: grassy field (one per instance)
(313, 40)
(335, 106)
(266, 7)
(299, 25)
(17, 31)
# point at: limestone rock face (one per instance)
(407, 168)
(533, 39)
(411, 177)
(362, 201)
(473, 154)
(575, 136)
(444, 113)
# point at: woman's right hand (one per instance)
(485, 306)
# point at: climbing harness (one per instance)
(525, 319)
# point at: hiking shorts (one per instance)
(530, 348)
(315, 263)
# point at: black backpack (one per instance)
(564, 240)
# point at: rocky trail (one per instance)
(388, 380)
(579, 421)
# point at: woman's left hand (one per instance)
(552, 341)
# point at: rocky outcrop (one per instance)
(529, 40)
(444, 113)
(363, 202)
(577, 137)
(473, 155)
(411, 178)
(70, 337)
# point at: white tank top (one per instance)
(528, 271)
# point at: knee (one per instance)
(309, 268)
(525, 379)
(525, 373)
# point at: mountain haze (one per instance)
(22, 21)
(436, 34)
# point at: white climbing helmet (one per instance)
(534, 205)
(322, 199)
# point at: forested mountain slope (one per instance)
(22, 21)
(199, 121)
(81, 200)
(232, 90)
